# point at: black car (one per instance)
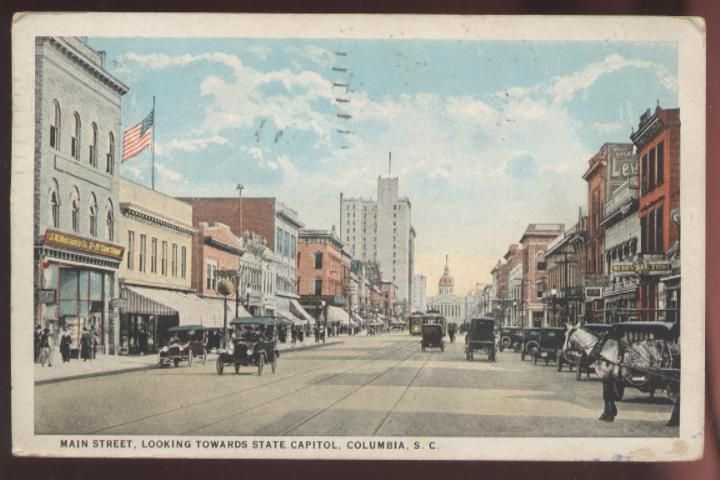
(432, 337)
(530, 342)
(511, 338)
(254, 344)
(551, 340)
(186, 343)
(480, 337)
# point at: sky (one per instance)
(486, 136)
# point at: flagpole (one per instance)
(153, 145)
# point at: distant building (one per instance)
(419, 293)
(451, 306)
(565, 262)
(382, 231)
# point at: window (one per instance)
(651, 232)
(279, 239)
(211, 282)
(659, 241)
(644, 174)
(293, 246)
(318, 286)
(93, 216)
(660, 163)
(163, 260)
(651, 171)
(75, 142)
(143, 252)
(643, 234)
(54, 209)
(131, 250)
(55, 126)
(318, 260)
(286, 245)
(153, 255)
(110, 224)
(541, 266)
(183, 264)
(110, 158)
(93, 146)
(174, 260)
(75, 214)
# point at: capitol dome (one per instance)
(446, 282)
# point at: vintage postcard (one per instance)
(358, 237)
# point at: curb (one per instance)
(154, 366)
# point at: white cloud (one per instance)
(191, 145)
(315, 54)
(607, 127)
(168, 173)
(135, 171)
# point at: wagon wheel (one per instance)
(219, 366)
(190, 355)
(261, 363)
(176, 361)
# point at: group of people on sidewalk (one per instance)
(45, 344)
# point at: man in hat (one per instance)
(85, 345)
(46, 348)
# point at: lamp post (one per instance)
(553, 298)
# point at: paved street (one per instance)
(382, 385)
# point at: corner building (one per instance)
(77, 151)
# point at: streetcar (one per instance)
(415, 323)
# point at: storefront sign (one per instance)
(595, 281)
(118, 303)
(593, 293)
(641, 268)
(46, 296)
(74, 242)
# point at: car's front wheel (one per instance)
(261, 364)
(219, 366)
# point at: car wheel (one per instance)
(261, 364)
(219, 366)
(190, 357)
(176, 361)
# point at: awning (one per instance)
(300, 312)
(211, 313)
(337, 314)
(283, 310)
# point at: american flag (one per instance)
(138, 138)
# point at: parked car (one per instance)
(511, 338)
(432, 337)
(254, 343)
(480, 337)
(186, 342)
(551, 340)
(530, 342)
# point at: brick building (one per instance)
(595, 176)
(77, 250)
(658, 149)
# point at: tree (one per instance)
(225, 287)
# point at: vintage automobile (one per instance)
(530, 342)
(510, 337)
(432, 337)
(254, 343)
(551, 340)
(480, 337)
(186, 342)
(660, 337)
(578, 359)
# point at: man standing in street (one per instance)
(46, 348)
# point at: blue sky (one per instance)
(486, 136)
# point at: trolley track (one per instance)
(389, 350)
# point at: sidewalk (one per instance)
(111, 364)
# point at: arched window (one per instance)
(110, 165)
(75, 142)
(93, 146)
(93, 216)
(110, 223)
(55, 126)
(54, 206)
(75, 212)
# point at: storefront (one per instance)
(77, 279)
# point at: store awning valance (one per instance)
(283, 310)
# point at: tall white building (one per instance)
(381, 231)
(418, 293)
(452, 307)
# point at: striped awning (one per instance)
(300, 312)
(284, 311)
(337, 314)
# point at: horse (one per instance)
(614, 361)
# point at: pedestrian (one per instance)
(65, 341)
(38, 337)
(46, 345)
(143, 340)
(85, 345)
(301, 335)
(294, 336)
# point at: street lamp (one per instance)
(553, 298)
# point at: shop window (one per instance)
(75, 141)
(55, 126)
